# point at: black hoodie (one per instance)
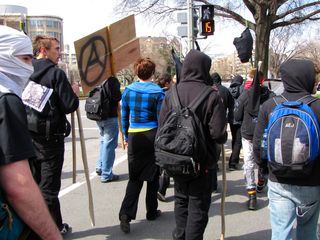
(298, 77)
(48, 74)
(194, 78)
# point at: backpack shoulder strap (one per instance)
(279, 99)
(175, 97)
(199, 99)
(308, 99)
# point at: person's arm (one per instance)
(68, 100)
(218, 122)
(238, 109)
(125, 112)
(24, 196)
(262, 123)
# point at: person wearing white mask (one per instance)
(17, 185)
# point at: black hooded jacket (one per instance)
(241, 113)
(46, 73)
(298, 77)
(225, 95)
(194, 78)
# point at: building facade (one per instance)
(17, 17)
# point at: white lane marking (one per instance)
(92, 176)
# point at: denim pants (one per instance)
(290, 203)
(109, 131)
(248, 163)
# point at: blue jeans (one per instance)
(290, 203)
(109, 131)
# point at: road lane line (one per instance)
(92, 176)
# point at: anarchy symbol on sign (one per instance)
(94, 43)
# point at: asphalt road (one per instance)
(241, 224)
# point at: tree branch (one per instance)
(232, 15)
(297, 20)
(293, 10)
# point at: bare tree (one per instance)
(267, 15)
(281, 50)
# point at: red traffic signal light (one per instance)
(207, 27)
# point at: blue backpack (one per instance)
(291, 140)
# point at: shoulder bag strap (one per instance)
(199, 99)
(175, 97)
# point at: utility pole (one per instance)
(190, 24)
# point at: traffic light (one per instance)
(195, 18)
(207, 22)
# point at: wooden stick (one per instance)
(86, 169)
(74, 150)
(224, 191)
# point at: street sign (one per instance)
(106, 51)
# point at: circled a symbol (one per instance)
(92, 45)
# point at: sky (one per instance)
(81, 18)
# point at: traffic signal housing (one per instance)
(207, 22)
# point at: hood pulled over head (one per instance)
(298, 75)
(196, 67)
(14, 73)
(216, 79)
(236, 81)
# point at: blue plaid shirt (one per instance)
(141, 103)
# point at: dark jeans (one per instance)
(46, 169)
(164, 182)
(129, 205)
(236, 144)
(192, 203)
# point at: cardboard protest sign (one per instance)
(106, 52)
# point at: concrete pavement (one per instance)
(241, 224)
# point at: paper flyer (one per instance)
(36, 95)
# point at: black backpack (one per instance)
(97, 104)
(180, 145)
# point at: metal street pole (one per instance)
(190, 24)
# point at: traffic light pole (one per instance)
(190, 24)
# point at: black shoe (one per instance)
(64, 229)
(252, 202)
(161, 197)
(98, 171)
(233, 167)
(112, 179)
(261, 184)
(155, 216)
(124, 223)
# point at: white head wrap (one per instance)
(14, 73)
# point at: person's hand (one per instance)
(75, 88)
(125, 144)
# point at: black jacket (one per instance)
(225, 95)
(112, 87)
(241, 111)
(235, 89)
(194, 78)
(298, 77)
(48, 74)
